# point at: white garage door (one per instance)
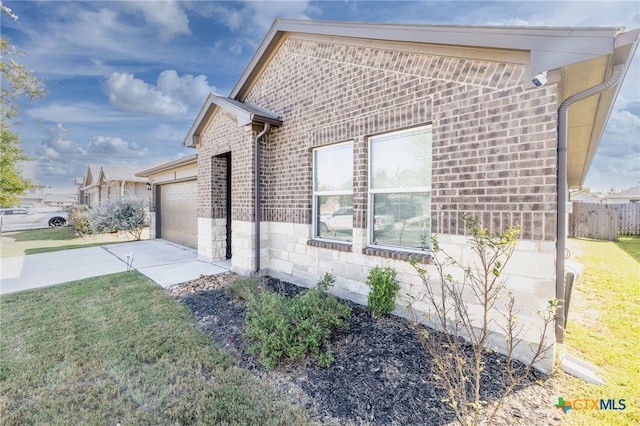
(178, 213)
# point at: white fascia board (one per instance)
(168, 165)
(245, 115)
(192, 138)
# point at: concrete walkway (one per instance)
(165, 263)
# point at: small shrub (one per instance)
(79, 219)
(245, 288)
(293, 328)
(384, 289)
(460, 366)
(326, 282)
(126, 215)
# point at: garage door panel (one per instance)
(178, 213)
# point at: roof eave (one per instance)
(244, 117)
(626, 45)
(191, 159)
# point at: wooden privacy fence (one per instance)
(604, 221)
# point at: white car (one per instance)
(17, 219)
(342, 220)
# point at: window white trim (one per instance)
(403, 190)
(426, 189)
(326, 193)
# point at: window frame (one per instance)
(316, 194)
(371, 192)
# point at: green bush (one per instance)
(281, 327)
(79, 219)
(384, 289)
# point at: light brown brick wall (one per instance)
(221, 137)
(493, 141)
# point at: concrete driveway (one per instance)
(165, 263)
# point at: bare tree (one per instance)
(460, 364)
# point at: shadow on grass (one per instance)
(631, 245)
(49, 234)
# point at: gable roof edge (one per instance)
(246, 114)
(578, 44)
(180, 162)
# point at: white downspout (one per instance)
(563, 115)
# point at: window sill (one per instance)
(332, 245)
(397, 254)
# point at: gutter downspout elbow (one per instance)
(563, 115)
(265, 130)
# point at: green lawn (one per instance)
(119, 350)
(604, 329)
(53, 239)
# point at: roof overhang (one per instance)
(88, 187)
(588, 118)
(180, 162)
(103, 178)
(246, 114)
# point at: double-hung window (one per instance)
(400, 189)
(333, 192)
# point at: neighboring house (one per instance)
(88, 186)
(173, 203)
(408, 124)
(39, 198)
(585, 198)
(33, 197)
(631, 195)
(79, 184)
(103, 183)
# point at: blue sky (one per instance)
(125, 80)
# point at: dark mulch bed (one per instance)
(381, 376)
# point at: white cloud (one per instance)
(254, 17)
(93, 38)
(80, 112)
(56, 147)
(262, 14)
(172, 96)
(128, 93)
(58, 159)
(115, 147)
(167, 15)
(188, 89)
(617, 161)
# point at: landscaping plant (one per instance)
(281, 327)
(245, 287)
(384, 289)
(79, 219)
(460, 364)
(126, 215)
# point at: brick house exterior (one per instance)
(103, 183)
(493, 146)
